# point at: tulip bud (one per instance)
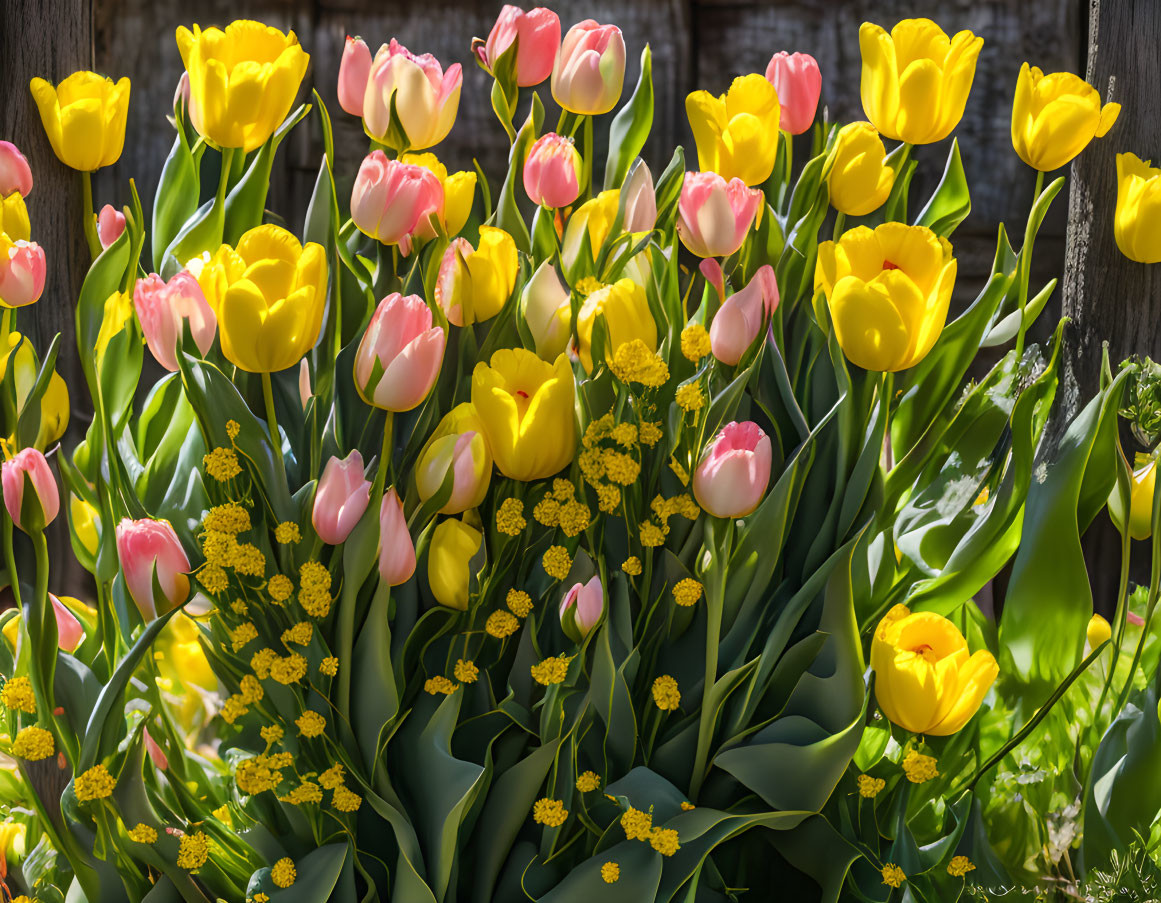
(396, 550)
(163, 309)
(581, 608)
(860, 179)
(181, 91)
(459, 193)
(538, 31)
(340, 499)
(463, 455)
(796, 78)
(110, 225)
(594, 218)
(625, 308)
(400, 354)
(640, 200)
(547, 311)
(590, 68)
(69, 632)
(15, 173)
(305, 394)
(1137, 224)
(156, 753)
(739, 319)
(474, 285)
(151, 554)
(1142, 484)
(392, 200)
(1055, 116)
(35, 511)
(22, 272)
(84, 118)
(54, 403)
(426, 98)
(354, 71)
(449, 558)
(552, 171)
(713, 216)
(85, 521)
(1098, 631)
(734, 471)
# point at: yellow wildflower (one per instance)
(329, 666)
(608, 497)
(271, 733)
(870, 787)
(143, 833)
(666, 695)
(242, 635)
(261, 661)
(547, 511)
(239, 607)
(649, 433)
(310, 723)
(651, 535)
(690, 397)
(610, 872)
(959, 866)
(563, 490)
(632, 566)
(466, 671)
(687, 591)
(94, 784)
(17, 695)
(299, 634)
(557, 562)
(233, 428)
(213, 578)
(588, 781)
(306, 792)
(283, 873)
(439, 684)
(687, 806)
(332, 777)
(620, 468)
(574, 517)
(251, 689)
(259, 773)
(919, 768)
(664, 841)
(519, 602)
(592, 464)
(695, 342)
(33, 744)
(193, 852)
(633, 362)
(638, 825)
(228, 518)
(501, 624)
(222, 464)
(346, 800)
(288, 670)
(549, 812)
(552, 670)
(893, 875)
(287, 532)
(510, 517)
(624, 434)
(233, 708)
(248, 560)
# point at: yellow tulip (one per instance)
(470, 460)
(14, 218)
(1098, 631)
(737, 134)
(12, 843)
(627, 317)
(84, 117)
(1137, 227)
(860, 179)
(888, 290)
(242, 81)
(1055, 116)
(54, 404)
(184, 671)
(459, 192)
(526, 406)
(449, 557)
(595, 218)
(1142, 483)
(85, 521)
(925, 679)
(474, 285)
(916, 80)
(269, 295)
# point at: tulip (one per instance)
(85, 521)
(268, 295)
(731, 477)
(547, 308)
(1142, 483)
(735, 132)
(84, 117)
(243, 80)
(70, 633)
(38, 510)
(304, 391)
(713, 215)
(640, 200)
(14, 217)
(181, 92)
(392, 200)
(798, 82)
(581, 608)
(1055, 116)
(185, 675)
(595, 218)
(916, 80)
(22, 272)
(741, 317)
(888, 290)
(15, 173)
(54, 404)
(925, 680)
(164, 308)
(466, 458)
(110, 225)
(453, 546)
(156, 753)
(341, 498)
(627, 317)
(1137, 227)
(473, 285)
(538, 32)
(459, 193)
(552, 171)
(526, 406)
(590, 68)
(400, 354)
(426, 98)
(1098, 631)
(354, 72)
(396, 550)
(860, 179)
(150, 553)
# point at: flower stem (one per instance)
(715, 589)
(91, 236)
(272, 419)
(1025, 273)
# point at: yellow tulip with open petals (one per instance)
(736, 133)
(888, 290)
(916, 80)
(926, 681)
(84, 117)
(1055, 116)
(1137, 227)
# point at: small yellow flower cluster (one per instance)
(143, 833)
(261, 772)
(279, 588)
(638, 825)
(261, 661)
(501, 624)
(283, 873)
(329, 666)
(271, 733)
(687, 806)
(682, 504)
(333, 777)
(222, 814)
(870, 787)
(439, 684)
(94, 784)
(314, 593)
(466, 671)
(289, 669)
(624, 434)
(306, 792)
(652, 535)
(679, 470)
(919, 768)
(229, 518)
(632, 566)
(17, 695)
(222, 464)
(666, 695)
(299, 634)
(617, 465)
(345, 800)
(33, 744)
(687, 591)
(310, 723)
(893, 875)
(960, 866)
(193, 851)
(620, 468)
(519, 603)
(695, 342)
(242, 635)
(588, 781)
(287, 533)
(664, 841)
(552, 670)
(557, 562)
(633, 362)
(610, 872)
(232, 429)
(549, 812)
(239, 607)
(233, 709)
(689, 397)
(510, 517)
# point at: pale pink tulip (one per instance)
(552, 171)
(341, 498)
(640, 200)
(739, 319)
(426, 97)
(148, 550)
(798, 83)
(165, 307)
(409, 352)
(305, 393)
(712, 270)
(392, 200)
(43, 508)
(69, 632)
(156, 753)
(466, 457)
(15, 173)
(354, 71)
(582, 607)
(396, 550)
(181, 92)
(714, 216)
(22, 272)
(590, 68)
(110, 225)
(734, 470)
(539, 34)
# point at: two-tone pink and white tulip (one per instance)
(640, 200)
(734, 470)
(538, 33)
(547, 309)
(22, 272)
(581, 608)
(28, 468)
(354, 72)
(165, 307)
(744, 313)
(342, 496)
(396, 550)
(457, 448)
(426, 97)
(552, 171)
(110, 225)
(714, 216)
(151, 554)
(400, 355)
(798, 83)
(589, 71)
(69, 631)
(392, 201)
(15, 173)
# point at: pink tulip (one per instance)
(156, 753)
(409, 352)
(305, 393)
(110, 225)
(15, 173)
(737, 322)
(149, 550)
(581, 608)
(798, 83)
(341, 498)
(539, 34)
(29, 465)
(181, 92)
(466, 457)
(590, 68)
(69, 632)
(391, 200)
(426, 98)
(163, 309)
(640, 200)
(713, 216)
(396, 550)
(712, 270)
(22, 272)
(552, 171)
(354, 71)
(734, 470)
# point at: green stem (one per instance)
(384, 459)
(272, 419)
(588, 155)
(840, 219)
(6, 326)
(1025, 274)
(715, 602)
(91, 236)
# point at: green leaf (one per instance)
(375, 698)
(951, 201)
(246, 203)
(507, 214)
(630, 127)
(176, 198)
(317, 874)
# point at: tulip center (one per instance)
(926, 651)
(888, 265)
